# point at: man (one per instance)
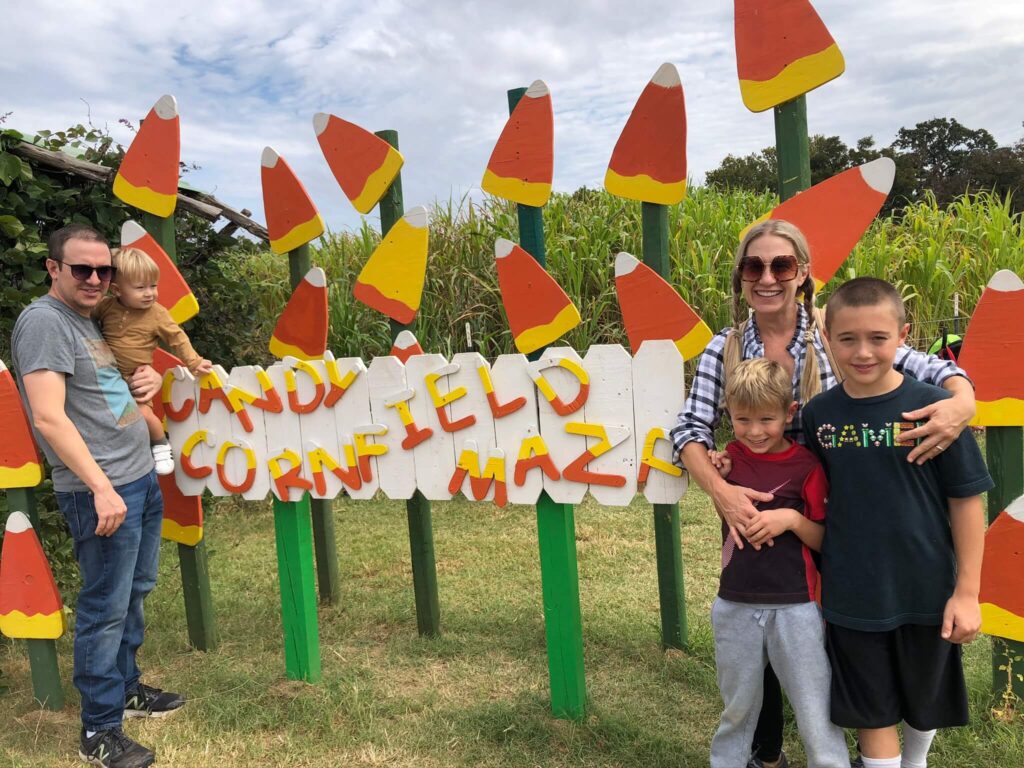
(97, 443)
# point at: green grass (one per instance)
(476, 696)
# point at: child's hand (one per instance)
(768, 524)
(204, 367)
(721, 461)
(962, 619)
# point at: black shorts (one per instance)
(908, 673)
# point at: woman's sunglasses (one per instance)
(83, 272)
(784, 268)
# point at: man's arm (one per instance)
(46, 393)
(962, 617)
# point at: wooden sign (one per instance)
(993, 352)
(520, 167)
(538, 310)
(148, 176)
(783, 50)
(20, 465)
(835, 213)
(1002, 575)
(30, 604)
(392, 279)
(405, 346)
(441, 426)
(173, 292)
(363, 164)
(301, 331)
(292, 219)
(651, 309)
(649, 159)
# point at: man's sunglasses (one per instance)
(83, 272)
(784, 268)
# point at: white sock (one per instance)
(915, 747)
(90, 734)
(881, 762)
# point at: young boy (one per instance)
(765, 609)
(132, 323)
(901, 560)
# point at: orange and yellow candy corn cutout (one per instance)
(993, 352)
(405, 346)
(1002, 575)
(520, 168)
(30, 604)
(292, 219)
(20, 465)
(538, 310)
(649, 159)
(783, 50)
(148, 176)
(183, 515)
(835, 213)
(363, 164)
(392, 279)
(301, 331)
(651, 309)
(173, 292)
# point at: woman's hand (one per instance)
(944, 421)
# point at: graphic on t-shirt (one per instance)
(887, 435)
(109, 380)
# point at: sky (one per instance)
(252, 74)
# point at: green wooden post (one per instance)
(671, 595)
(792, 147)
(417, 509)
(1004, 452)
(556, 540)
(195, 568)
(294, 534)
(42, 654)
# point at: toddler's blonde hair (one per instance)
(134, 265)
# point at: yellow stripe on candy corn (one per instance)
(377, 183)
(28, 475)
(184, 309)
(298, 235)
(535, 193)
(802, 75)
(189, 535)
(40, 626)
(1005, 412)
(538, 336)
(144, 198)
(1001, 623)
(643, 187)
(693, 343)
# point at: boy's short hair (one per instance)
(759, 383)
(134, 265)
(865, 292)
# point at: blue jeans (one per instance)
(118, 571)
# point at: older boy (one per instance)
(901, 559)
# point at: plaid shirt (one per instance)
(703, 409)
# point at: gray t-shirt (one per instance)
(50, 336)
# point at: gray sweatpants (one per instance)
(793, 639)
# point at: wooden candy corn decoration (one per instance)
(20, 465)
(292, 219)
(392, 279)
(993, 352)
(363, 164)
(148, 176)
(30, 604)
(649, 159)
(301, 331)
(406, 346)
(538, 310)
(783, 50)
(1002, 575)
(651, 309)
(520, 168)
(835, 213)
(174, 294)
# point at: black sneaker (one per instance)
(757, 762)
(112, 749)
(147, 701)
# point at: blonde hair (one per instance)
(810, 382)
(759, 383)
(134, 265)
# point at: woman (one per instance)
(772, 269)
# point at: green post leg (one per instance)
(556, 540)
(195, 574)
(325, 544)
(1004, 449)
(792, 147)
(294, 534)
(671, 594)
(42, 654)
(417, 509)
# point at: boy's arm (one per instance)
(175, 338)
(962, 618)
